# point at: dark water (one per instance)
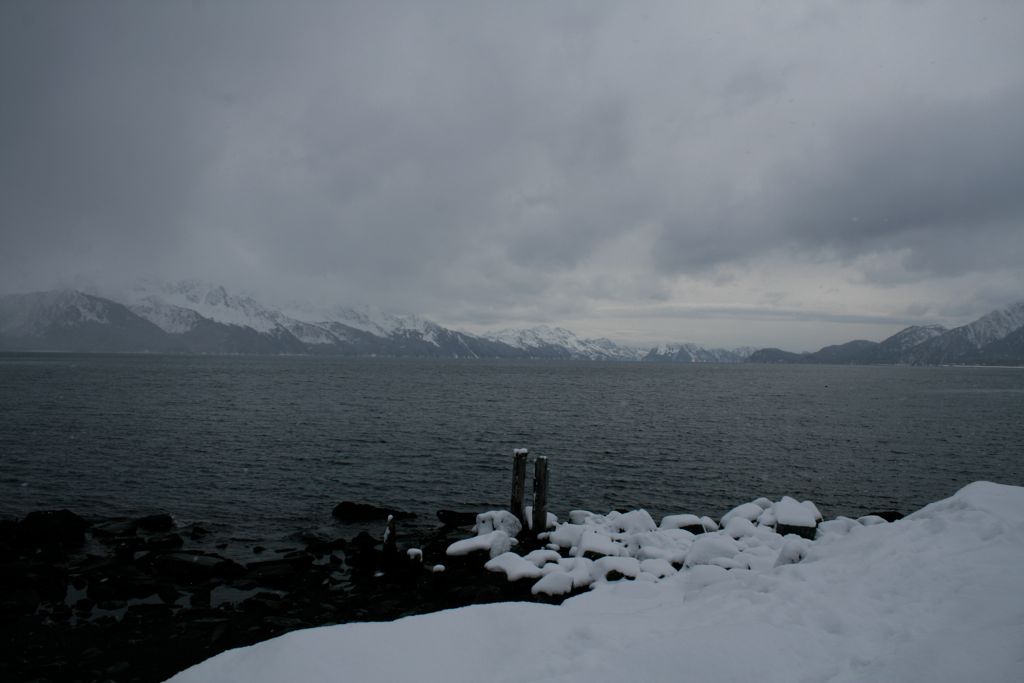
(262, 445)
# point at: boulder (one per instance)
(114, 529)
(170, 541)
(51, 528)
(279, 573)
(451, 518)
(807, 532)
(195, 566)
(157, 523)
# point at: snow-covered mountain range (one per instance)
(691, 353)
(996, 338)
(198, 317)
(557, 342)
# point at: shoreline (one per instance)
(142, 599)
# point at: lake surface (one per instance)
(267, 445)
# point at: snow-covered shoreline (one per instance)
(933, 597)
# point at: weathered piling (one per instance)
(540, 495)
(390, 537)
(518, 506)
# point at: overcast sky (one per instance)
(788, 174)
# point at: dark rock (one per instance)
(170, 541)
(889, 515)
(112, 604)
(61, 612)
(21, 601)
(807, 532)
(451, 518)
(168, 594)
(364, 541)
(264, 604)
(319, 546)
(8, 530)
(51, 583)
(147, 613)
(118, 668)
(195, 566)
(51, 528)
(125, 548)
(349, 512)
(158, 523)
(197, 532)
(200, 598)
(115, 528)
(694, 528)
(277, 573)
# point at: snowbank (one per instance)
(934, 597)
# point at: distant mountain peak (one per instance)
(557, 342)
(688, 352)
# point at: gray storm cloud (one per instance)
(521, 163)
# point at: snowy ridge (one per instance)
(692, 353)
(30, 314)
(995, 325)
(543, 339)
(912, 336)
(882, 602)
(209, 301)
(168, 317)
(369, 319)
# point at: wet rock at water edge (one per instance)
(168, 541)
(888, 515)
(196, 566)
(807, 532)
(280, 573)
(54, 528)
(157, 523)
(350, 512)
(453, 518)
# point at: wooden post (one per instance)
(540, 495)
(518, 506)
(390, 538)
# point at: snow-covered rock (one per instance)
(933, 597)
(503, 520)
(495, 543)
(514, 566)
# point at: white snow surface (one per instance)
(494, 542)
(793, 513)
(934, 597)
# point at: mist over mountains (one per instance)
(196, 317)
